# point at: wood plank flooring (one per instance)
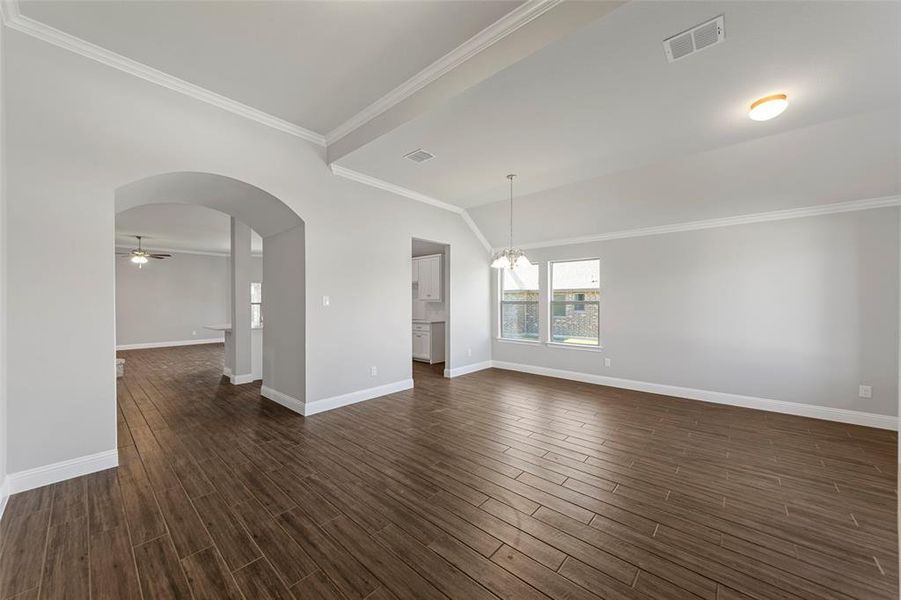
(492, 485)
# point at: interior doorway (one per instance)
(255, 216)
(430, 298)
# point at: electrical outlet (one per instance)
(326, 301)
(373, 371)
(194, 332)
(469, 352)
(865, 391)
(608, 362)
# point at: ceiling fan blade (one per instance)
(160, 256)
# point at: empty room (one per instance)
(450, 299)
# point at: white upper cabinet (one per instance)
(427, 272)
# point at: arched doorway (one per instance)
(282, 230)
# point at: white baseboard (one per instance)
(215, 340)
(241, 379)
(359, 396)
(466, 369)
(4, 495)
(841, 415)
(285, 400)
(40, 476)
(311, 408)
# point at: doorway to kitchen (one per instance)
(430, 301)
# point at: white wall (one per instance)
(3, 434)
(800, 310)
(171, 300)
(284, 313)
(81, 130)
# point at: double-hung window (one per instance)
(519, 303)
(575, 299)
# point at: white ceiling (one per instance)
(605, 100)
(178, 227)
(315, 64)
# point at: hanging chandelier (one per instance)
(510, 257)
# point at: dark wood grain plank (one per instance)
(159, 571)
(209, 577)
(66, 563)
(113, 571)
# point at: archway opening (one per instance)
(281, 351)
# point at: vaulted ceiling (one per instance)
(314, 64)
(577, 98)
(605, 100)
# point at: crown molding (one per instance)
(195, 252)
(390, 187)
(412, 195)
(495, 32)
(476, 231)
(12, 17)
(776, 215)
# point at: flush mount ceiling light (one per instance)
(510, 257)
(768, 107)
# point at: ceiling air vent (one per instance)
(695, 39)
(419, 155)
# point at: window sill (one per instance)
(574, 347)
(521, 342)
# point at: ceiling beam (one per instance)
(524, 31)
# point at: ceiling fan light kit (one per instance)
(510, 257)
(141, 257)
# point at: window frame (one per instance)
(252, 304)
(500, 310)
(583, 302)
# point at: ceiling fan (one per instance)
(140, 257)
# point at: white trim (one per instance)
(533, 343)
(776, 215)
(15, 20)
(185, 251)
(584, 348)
(66, 469)
(311, 408)
(476, 231)
(283, 399)
(241, 379)
(841, 415)
(467, 369)
(141, 346)
(495, 32)
(390, 187)
(4, 495)
(412, 195)
(325, 404)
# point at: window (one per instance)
(576, 302)
(519, 303)
(256, 304)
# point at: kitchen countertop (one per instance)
(427, 321)
(224, 327)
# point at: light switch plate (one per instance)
(326, 301)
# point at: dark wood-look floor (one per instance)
(495, 484)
